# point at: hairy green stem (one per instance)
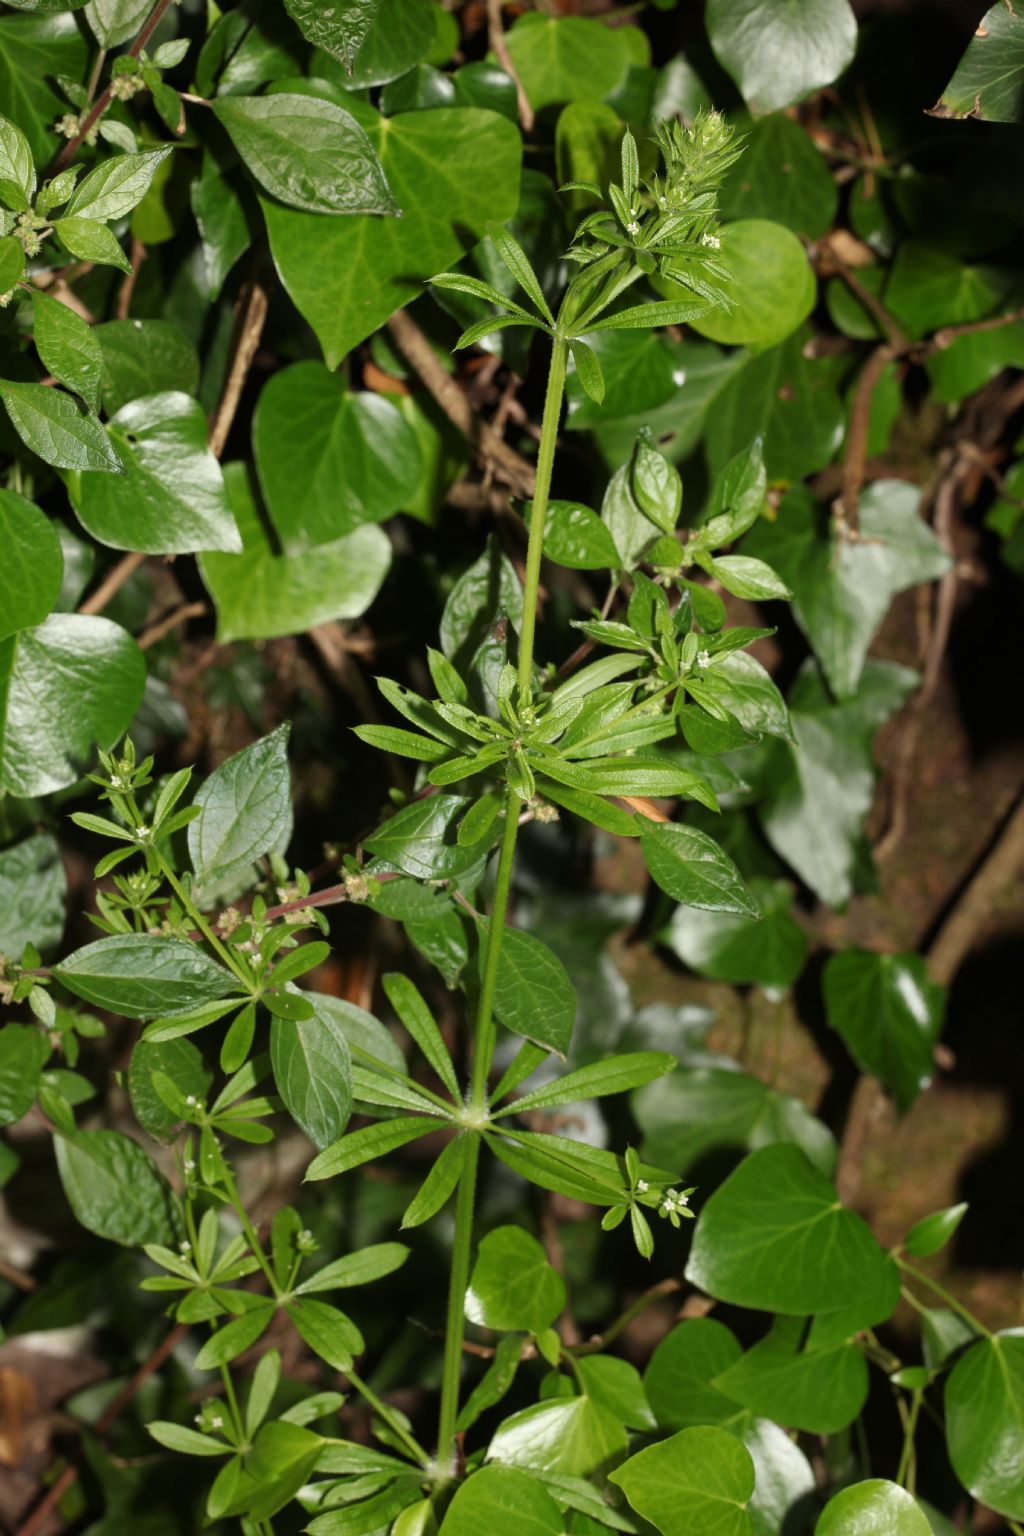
(456, 1321)
(485, 1033)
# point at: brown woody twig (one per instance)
(103, 101)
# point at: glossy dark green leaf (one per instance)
(505, 1502)
(984, 1403)
(420, 839)
(576, 537)
(781, 175)
(692, 868)
(171, 497)
(873, 1508)
(68, 347)
(246, 809)
(261, 594)
(115, 21)
(67, 685)
(817, 792)
(513, 1286)
(17, 171)
(570, 1435)
(889, 1015)
(339, 29)
(308, 153)
(820, 1391)
(779, 54)
(785, 1491)
(401, 35)
(679, 1375)
(697, 1483)
(988, 82)
(617, 1385)
(789, 399)
(33, 888)
(774, 1236)
(929, 288)
(55, 427)
(313, 1072)
(33, 565)
(842, 589)
(329, 459)
(145, 357)
(140, 977)
(348, 277)
(486, 591)
(770, 952)
(34, 51)
(571, 58)
(113, 1187)
(772, 288)
(699, 1110)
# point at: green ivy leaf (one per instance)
(330, 459)
(571, 58)
(339, 29)
(778, 55)
(698, 1483)
(33, 890)
(781, 175)
(503, 1502)
(145, 357)
(874, 1508)
(23, 1054)
(140, 977)
(775, 1237)
(113, 1187)
(769, 953)
(17, 170)
(842, 589)
(35, 50)
(575, 1436)
(91, 674)
(821, 1391)
(679, 1376)
(889, 1015)
(261, 594)
(33, 564)
(985, 1422)
(246, 809)
(772, 288)
(171, 498)
(700, 1110)
(513, 1287)
(308, 153)
(988, 82)
(451, 170)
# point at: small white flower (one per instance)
(191, 1101)
(632, 228)
(142, 833)
(712, 241)
(190, 1165)
(703, 660)
(216, 1422)
(642, 1186)
(185, 1249)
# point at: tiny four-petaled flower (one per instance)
(703, 660)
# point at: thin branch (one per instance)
(252, 314)
(855, 456)
(124, 297)
(103, 101)
(49, 1504)
(871, 302)
(496, 38)
(1000, 867)
(112, 582)
(490, 448)
(161, 627)
(950, 333)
